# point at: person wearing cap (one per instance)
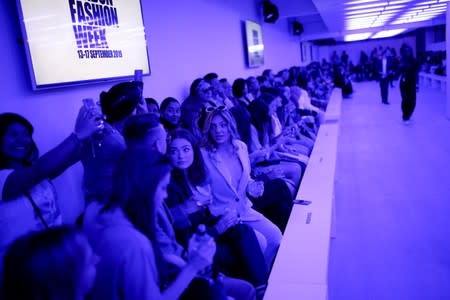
(101, 152)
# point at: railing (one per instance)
(433, 80)
(300, 270)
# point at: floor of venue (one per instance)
(392, 197)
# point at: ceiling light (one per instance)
(377, 4)
(436, 9)
(360, 24)
(387, 33)
(428, 2)
(357, 36)
(358, 27)
(391, 7)
(434, 13)
(391, 12)
(399, 2)
(362, 16)
(413, 20)
(359, 2)
(354, 12)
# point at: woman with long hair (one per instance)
(123, 233)
(132, 234)
(189, 194)
(228, 164)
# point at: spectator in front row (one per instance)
(57, 263)
(101, 153)
(28, 199)
(189, 195)
(125, 234)
(228, 164)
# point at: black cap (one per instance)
(121, 100)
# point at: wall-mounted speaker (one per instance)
(297, 28)
(270, 12)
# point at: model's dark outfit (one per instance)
(408, 72)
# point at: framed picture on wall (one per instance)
(254, 44)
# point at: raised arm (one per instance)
(55, 161)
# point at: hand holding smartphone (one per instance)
(138, 75)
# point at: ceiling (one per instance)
(350, 20)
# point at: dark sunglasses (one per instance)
(215, 108)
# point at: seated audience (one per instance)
(127, 234)
(189, 194)
(263, 154)
(276, 131)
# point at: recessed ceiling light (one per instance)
(362, 16)
(387, 33)
(358, 7)
(428, 2)
(391, 7)
(357, 36)
(359, 2)
(354, 12)
(399, 2)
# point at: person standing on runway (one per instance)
(408, 74)
(385, 72)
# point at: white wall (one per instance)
(441, 46)
(354, 49)
(186, 40)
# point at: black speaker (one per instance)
(270, 12)
(297, 28)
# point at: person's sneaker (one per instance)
(385, 102)
(407, 122)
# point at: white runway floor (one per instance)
(392, 199)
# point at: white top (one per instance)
(277, 129)
(17, 217)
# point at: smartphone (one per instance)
(89, 103)
(138, 75)
(302, 202)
